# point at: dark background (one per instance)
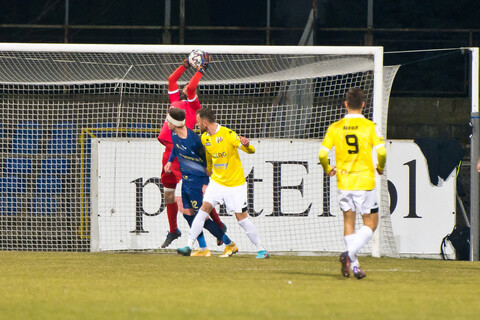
(397, 26)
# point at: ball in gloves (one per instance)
(195, 58)
(199, 58)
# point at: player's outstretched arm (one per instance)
(185, 63)
(173, 78)
(192, 85)
(206, 59)
(246, 146)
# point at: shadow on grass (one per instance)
(313, 274)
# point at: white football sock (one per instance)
(190, 243)
(197, 227)
(362, 236)
(349, 243)
(252, 233)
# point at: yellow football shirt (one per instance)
(223, 158)
(353, 137)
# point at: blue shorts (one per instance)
(192, 194)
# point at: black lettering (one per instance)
(412, 190)
(251, 194)
(326, 197)
(277, 188)
(393, 196)
(139, 210)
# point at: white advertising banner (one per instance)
(128, 209)
(126, 195)
(422, 213)
(287, 198)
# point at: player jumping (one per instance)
(186, 100)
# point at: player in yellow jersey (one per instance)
(353, 137)
(227, 181)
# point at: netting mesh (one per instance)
(56, 104)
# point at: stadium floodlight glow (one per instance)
(62, 98)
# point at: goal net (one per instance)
(81, 164)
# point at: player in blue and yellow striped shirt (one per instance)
(354, 137)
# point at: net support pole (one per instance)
(377, 118)
(474, 157)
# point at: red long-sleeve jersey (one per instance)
(191, 105)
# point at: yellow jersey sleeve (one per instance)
(327, 143)
(329, 140)
(233, 138)
(379, 144)
(249, 149)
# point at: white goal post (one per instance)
(474, 155)
(70, 107)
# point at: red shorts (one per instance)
(170, 180)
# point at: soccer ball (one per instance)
(195, 58)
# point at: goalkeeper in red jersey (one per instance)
(186, 100)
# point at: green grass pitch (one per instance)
(43, 285)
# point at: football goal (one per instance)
(81, 163)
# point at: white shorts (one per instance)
(235, 198)
(359, 201)
(178, 189)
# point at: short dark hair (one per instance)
(355, 98)
(206, 113)
(177, 114)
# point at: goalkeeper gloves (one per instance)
(185, 64)
(206, 58)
